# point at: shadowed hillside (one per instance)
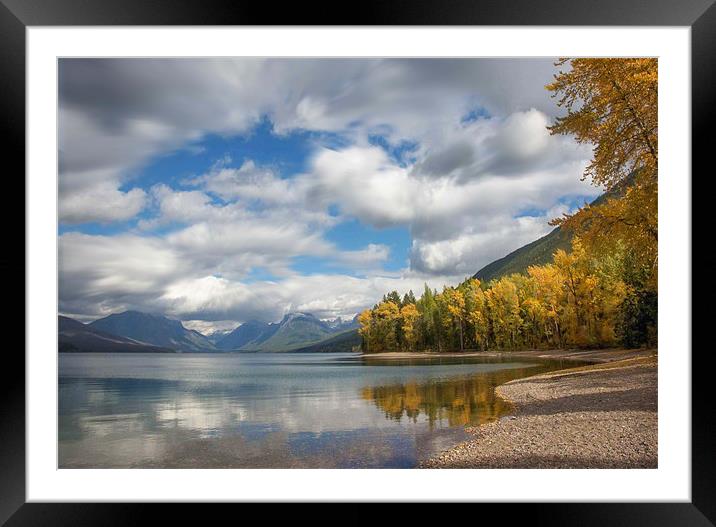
(76, 337)
(153, 329)
(343, 342)
(538, 252)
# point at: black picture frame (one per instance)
(16, 15)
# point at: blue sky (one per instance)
(286, 155)
(221, 190)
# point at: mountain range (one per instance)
(295, 330)
(134, 331)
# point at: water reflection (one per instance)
(270, 411)
(460, 401)
(465, 402)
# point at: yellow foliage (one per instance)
(613, 105)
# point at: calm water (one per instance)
(271, 410)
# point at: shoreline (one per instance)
(596, 356)
(601, 415)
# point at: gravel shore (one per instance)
(599, 416)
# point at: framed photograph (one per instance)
(424, 254)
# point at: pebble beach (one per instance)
(599, 416)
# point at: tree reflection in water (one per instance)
(459, 401)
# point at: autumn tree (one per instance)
(455, 311)
(476, 312)
(366, 331)
(549, 294)
(409, 317)
(394, 297)
(504, 309)
(408, 298)
(637, 315)
(427, 308)
(612, 104)
(386, 325)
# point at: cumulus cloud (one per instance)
(115, 114)
(105, 274)
(469, 251)
(461, 192)
(365, 183)
(101, 203)
(248, 182)
(326, 296)
(374, 254)
(101, 274)
(251, 243)
(513, 145)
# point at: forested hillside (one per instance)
(536, 253)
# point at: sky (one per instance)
(217, 191)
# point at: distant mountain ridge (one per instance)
(216, 336)
(340, 325)
(296, 330)
(75, 337)
(250, 333)
(148, 332)
(152, 329)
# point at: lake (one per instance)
(286, 410)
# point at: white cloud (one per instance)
(207, 327)
(267, 239)
(248, 182)
(468, 252)
(101, 274)
(462, 192)
(104, 274)
(374, 254)
(116, 114)
(364, 182)
(523, 135)
(102, 203)
(326, 296)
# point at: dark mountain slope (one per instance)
(294, 331)
(342, 342)
(153, 329)
(539, 252)
(74, 336)
(251, 332)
